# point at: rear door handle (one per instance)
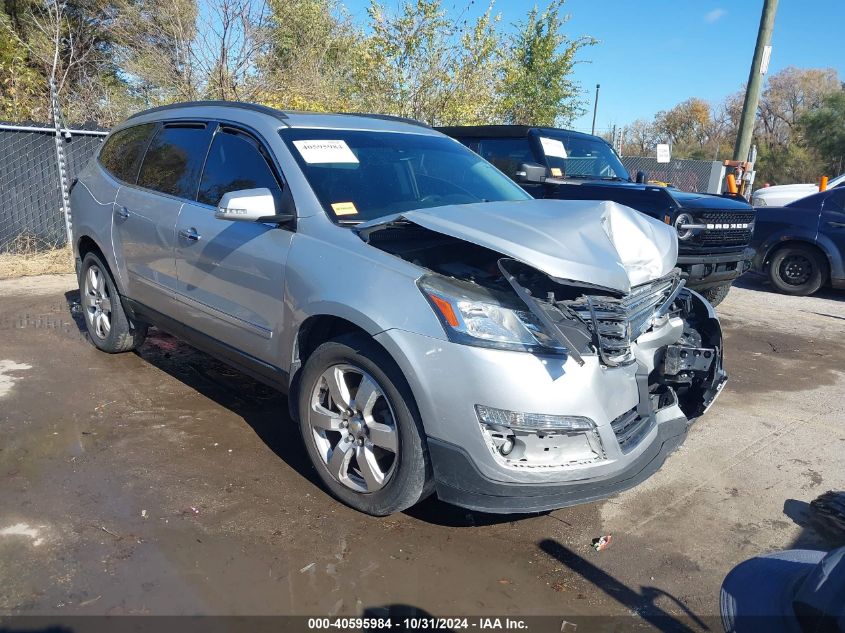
(838, 225)
(123, 213)
(190, 234)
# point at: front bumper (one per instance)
(449, 379)
(459, 481)
(707, 270)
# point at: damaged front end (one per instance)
(663, 335)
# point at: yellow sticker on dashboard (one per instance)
(344, 208)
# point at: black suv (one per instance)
(714, 231)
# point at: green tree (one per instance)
(537, 87)
(314, 56)
(21, 86)
(686, 126)
(823, 131)
(408, 55)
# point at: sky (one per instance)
(654, 54)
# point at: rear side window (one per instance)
(174, 160)
(506, 153)
(235, 161)
(122, 153)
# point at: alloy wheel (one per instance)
(354, 428)
(97, 302)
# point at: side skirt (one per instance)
(266, 373)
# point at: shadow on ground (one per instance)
(642, 602)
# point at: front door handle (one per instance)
(190, 234)
(123, 213)
(837, 225)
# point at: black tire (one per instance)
(797, 269)
(123, 334)
(716, 294)
(410, 479)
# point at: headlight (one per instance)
(682, 225)
(475, 316)
(758, 202)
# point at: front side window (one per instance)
(361, 175)
(122, 152)
(836, 201)
(506, 153)
(580, 158)
(235, 161)
(174, 160)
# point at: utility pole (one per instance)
(759, 66)
(595, 108)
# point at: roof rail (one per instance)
(279, 114)
(387, 117)
(230, 104)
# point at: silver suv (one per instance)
(436, 329)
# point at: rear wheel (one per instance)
(361, 428)
(716, 294)
(109, 327)
(797, 270)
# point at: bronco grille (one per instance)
(616, 322)
(725, 228)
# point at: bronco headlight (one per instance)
(473, 315)
(684, 224)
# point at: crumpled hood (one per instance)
(600, 243)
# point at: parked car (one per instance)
(782, 195)
(714, 231)
(801, 246)
(434, 327)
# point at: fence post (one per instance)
(60, 161)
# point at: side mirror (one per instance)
(642, 177)
(250, 205)
(531, 172)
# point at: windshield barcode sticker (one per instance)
(344, 208)
(553, 147)
(325, 152)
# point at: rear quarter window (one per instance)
(122, 152)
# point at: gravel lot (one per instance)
(163, 482)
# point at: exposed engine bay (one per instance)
(586, 320)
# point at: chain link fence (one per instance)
(33, 168)
(703, 176)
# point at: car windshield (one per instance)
(578, 157)
(362, 175)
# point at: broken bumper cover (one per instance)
(458, 480)
(598, 430)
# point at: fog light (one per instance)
(532, 421)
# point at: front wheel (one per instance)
(361, 427)
(716, 294)
(797, 270)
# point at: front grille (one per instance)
(724, 231)
(616, 322)
(725, 237)
(630, 428)
(726, 217)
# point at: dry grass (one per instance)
(26, 259)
